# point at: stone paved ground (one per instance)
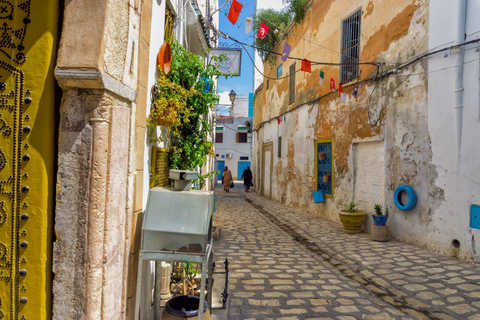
(286, 264)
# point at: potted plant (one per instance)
(380, 231)
(352, 218)
(378, 218)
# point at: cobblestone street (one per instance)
(286, 264)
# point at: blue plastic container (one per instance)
(379, 220)
(318, 196)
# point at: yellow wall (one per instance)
(32, 78)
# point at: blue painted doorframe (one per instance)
(221, 167)
(242, 166)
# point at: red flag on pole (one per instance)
(306, 66)
(332, 84)
(234, 11)
(340, 90)
(262, 32)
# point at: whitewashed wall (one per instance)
(458, 174)
(230, 145)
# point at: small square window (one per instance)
(242, 137)
(243, 158)
(219, 137)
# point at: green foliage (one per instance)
(189, 89)
(295, 11)
(352, 207)
(378, 209)
(271, 18)
(386, 211)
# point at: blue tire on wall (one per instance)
(412, 197)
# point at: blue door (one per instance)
(221, 167)
(242, 166)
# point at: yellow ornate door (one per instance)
(28, 41)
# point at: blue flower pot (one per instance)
(318, 196)
(379, 220)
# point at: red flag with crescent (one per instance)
(234, 11)
(262, 32)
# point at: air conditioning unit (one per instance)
(229, 155)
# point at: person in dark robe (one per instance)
(247, 179)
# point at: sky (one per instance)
(243, 84)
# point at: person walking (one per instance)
(247, 179)
(227, 179)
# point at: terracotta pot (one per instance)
(352, 221)
(326, 178)
(164, 57)
(321, 156)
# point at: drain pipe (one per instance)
(459, 59)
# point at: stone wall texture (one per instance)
(393, 114)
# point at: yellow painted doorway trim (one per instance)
(28, 45)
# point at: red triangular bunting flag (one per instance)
(332, 84)
(279, 119)
(306, 66)
(263, 30)
(234, 11)
(340, 90)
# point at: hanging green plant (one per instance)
(184, 98)
(168, 107)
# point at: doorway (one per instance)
(267, 166)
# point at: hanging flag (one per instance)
(279, 119)
(234, 11)
(322, 76)
(343, 97)
(332, 84)
(306, 66)
(262, 32)
(286, 51)
(340, 90)
(249, 25)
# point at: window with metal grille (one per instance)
(169, 22)
(291, 84)
(279, 153)
(350, 68)
(243, 158)
(219, 137)
(241, 137)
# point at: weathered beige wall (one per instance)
(138, 149)
(391, 32)
(97, 70)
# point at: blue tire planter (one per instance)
(412, 197)
(379, 220)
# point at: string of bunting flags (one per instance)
(306, 65)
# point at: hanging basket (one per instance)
(164, 57)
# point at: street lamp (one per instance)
(232, 96)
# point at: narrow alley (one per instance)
(286, 264)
